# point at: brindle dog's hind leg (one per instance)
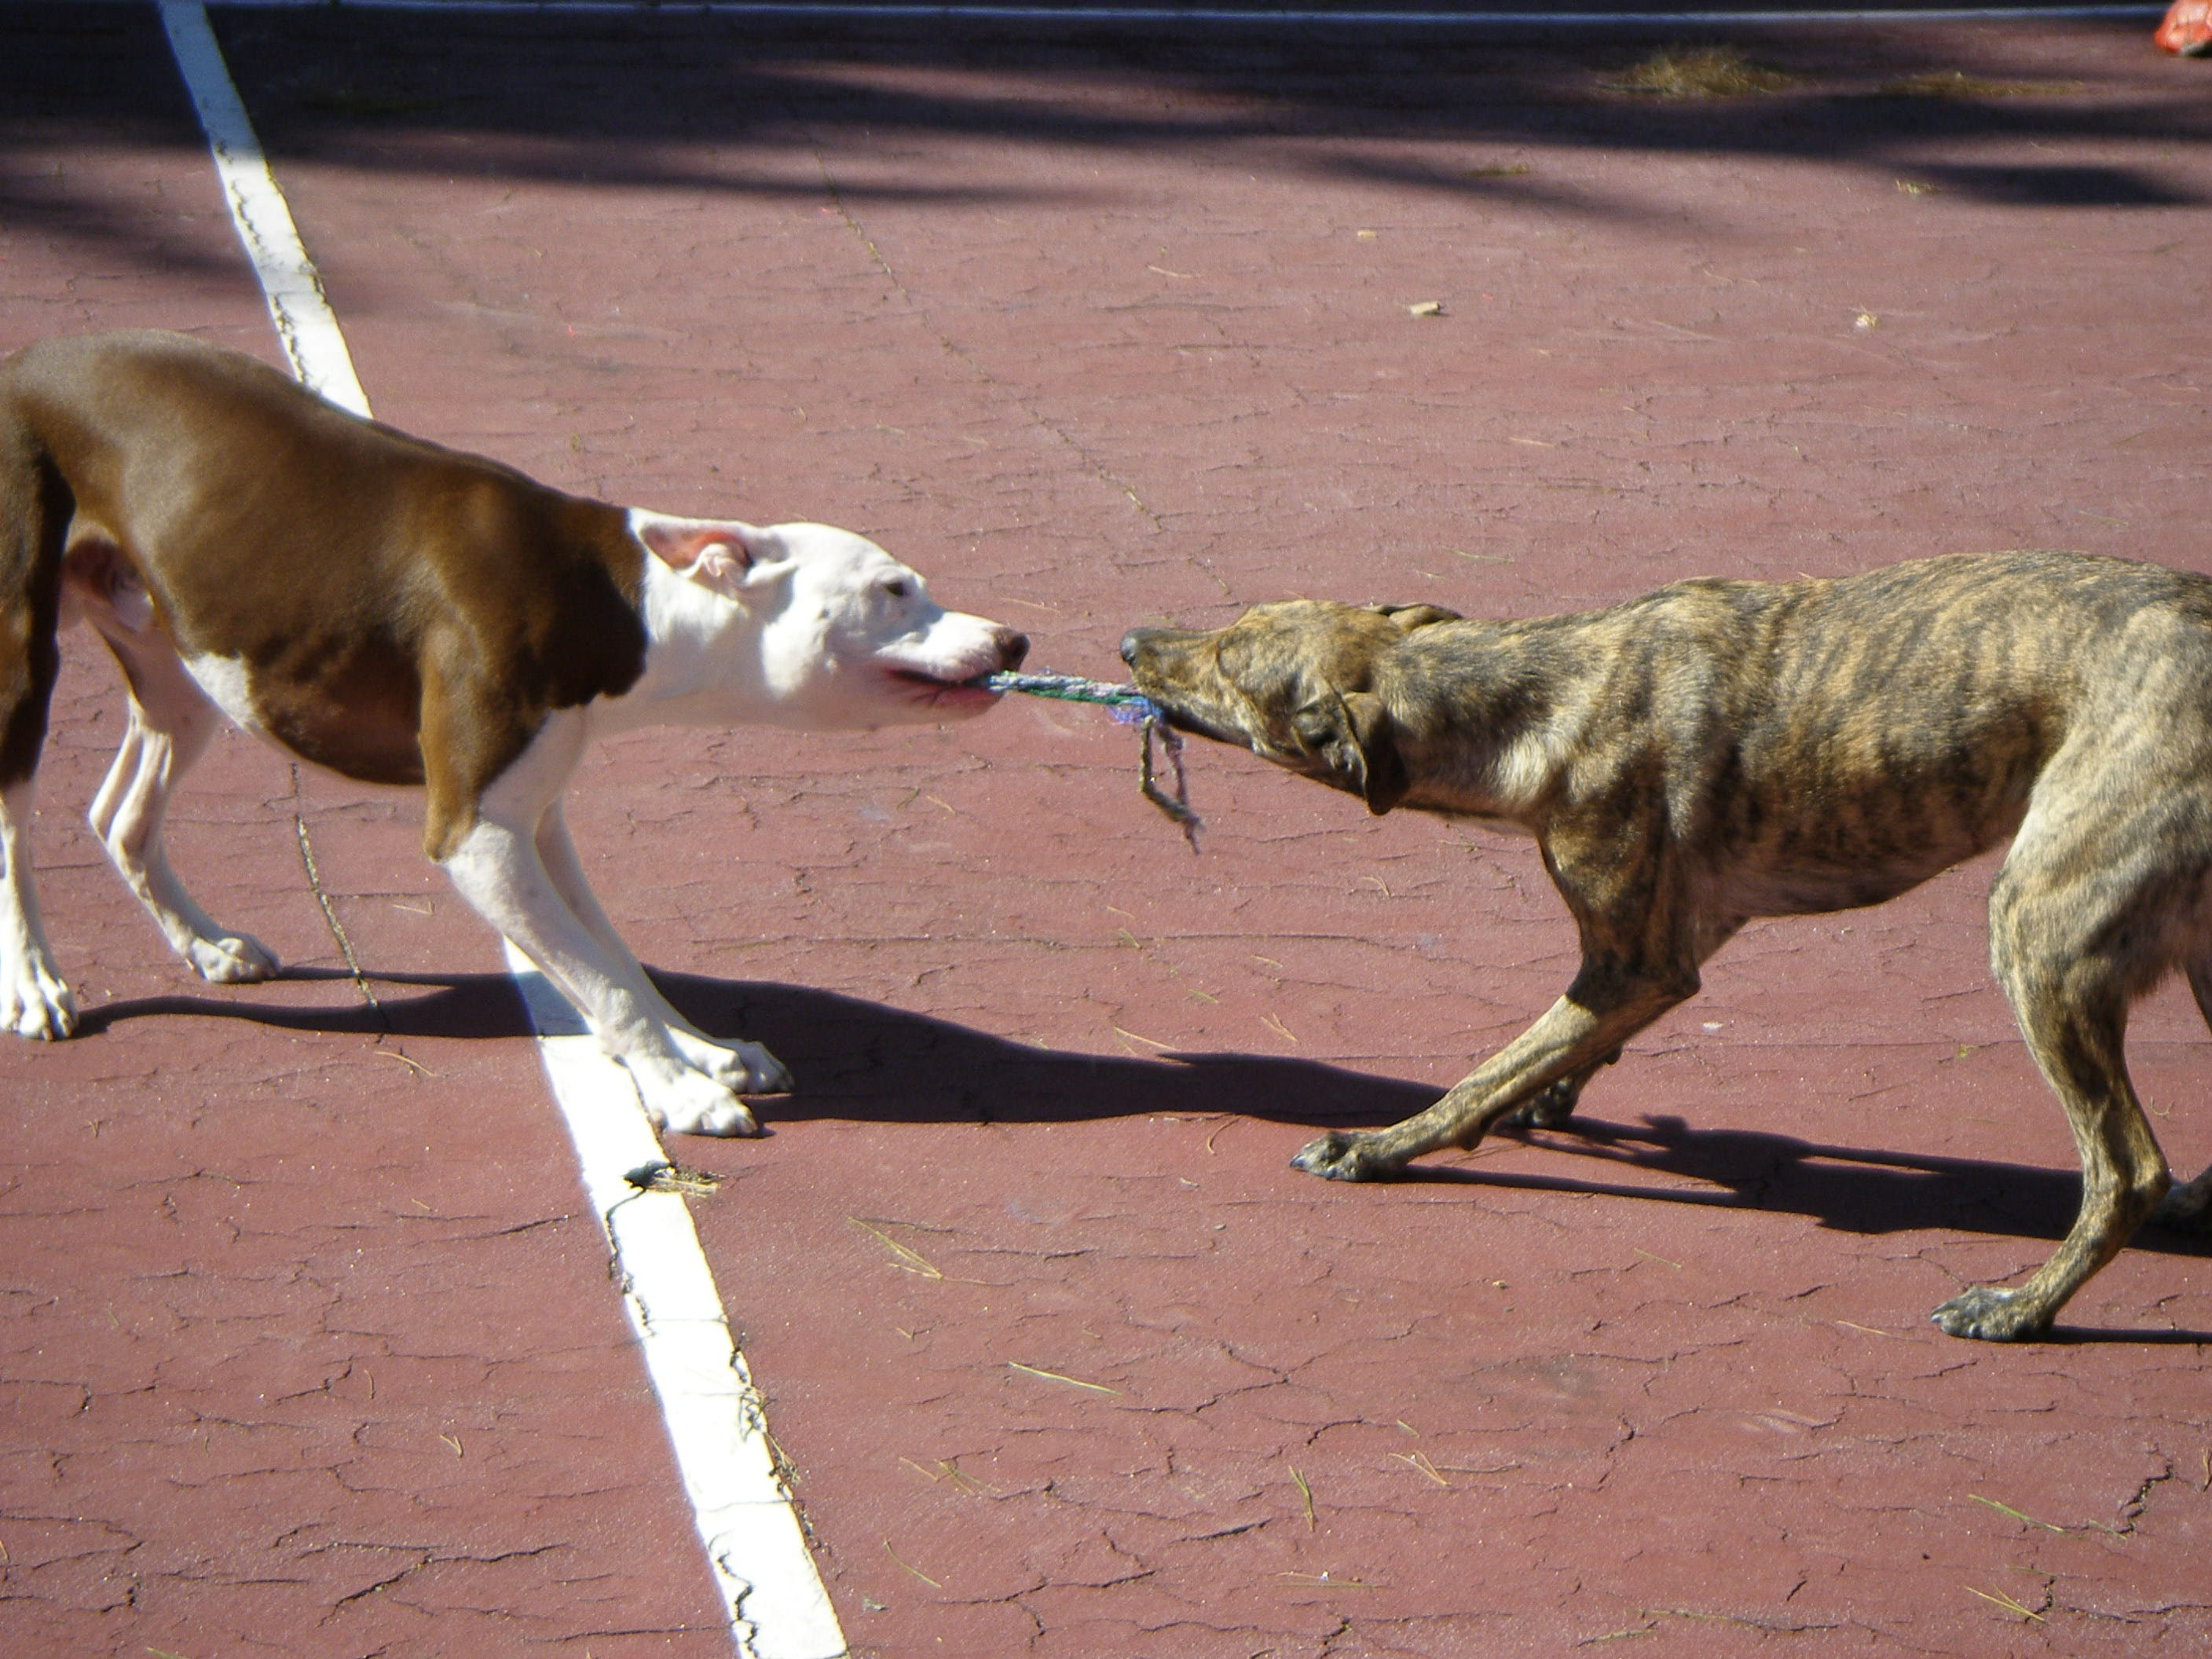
(2188, 1207)
(2068, 936)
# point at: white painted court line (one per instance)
(778, 1608)
(304, 323)
(715, 1413)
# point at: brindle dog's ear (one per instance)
(1351, 734)
(1411, 617)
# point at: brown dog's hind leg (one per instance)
(34, 515)
(2059, 946)
(166, 727)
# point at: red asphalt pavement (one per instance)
(307, 1344)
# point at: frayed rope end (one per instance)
(1128, 707)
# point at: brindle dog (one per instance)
(1718, 750)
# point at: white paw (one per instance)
(239, 960)
(743, 1068)
(34, 1002)
(680, 1098)
(728, 1117)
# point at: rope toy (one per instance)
(1129, 707)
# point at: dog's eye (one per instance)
(898, 588)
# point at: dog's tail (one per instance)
(36, 510)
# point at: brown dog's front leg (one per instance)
(1581, 1031)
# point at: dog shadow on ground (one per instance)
(1848, 1188)
(860, 1060)
(1854, 1189)
(854, 1059)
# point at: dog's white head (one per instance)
(812, 626)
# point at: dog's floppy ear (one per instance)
(1351, 734)
(1411, 617)
(715, 552)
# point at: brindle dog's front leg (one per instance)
(1552, 1106)
(1642, 941)
(1573, 1038)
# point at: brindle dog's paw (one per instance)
(1552, 1106)
(1339, 1156)
(1548, 1109)
(2188, 1207)
(1990, 1314)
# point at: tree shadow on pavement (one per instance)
(638, 96)
(729, 107)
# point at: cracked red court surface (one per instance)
(306, 1339)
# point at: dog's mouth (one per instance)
(1198, 725)
(946, 691)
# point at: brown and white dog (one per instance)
(405, 614)
(1718, 750)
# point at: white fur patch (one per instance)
(820, 629)
(223, 679)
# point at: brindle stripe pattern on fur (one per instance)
(1717, 751)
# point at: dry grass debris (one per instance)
(1700, 72)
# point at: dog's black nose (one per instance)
(1013, 647)
(1129, 645)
